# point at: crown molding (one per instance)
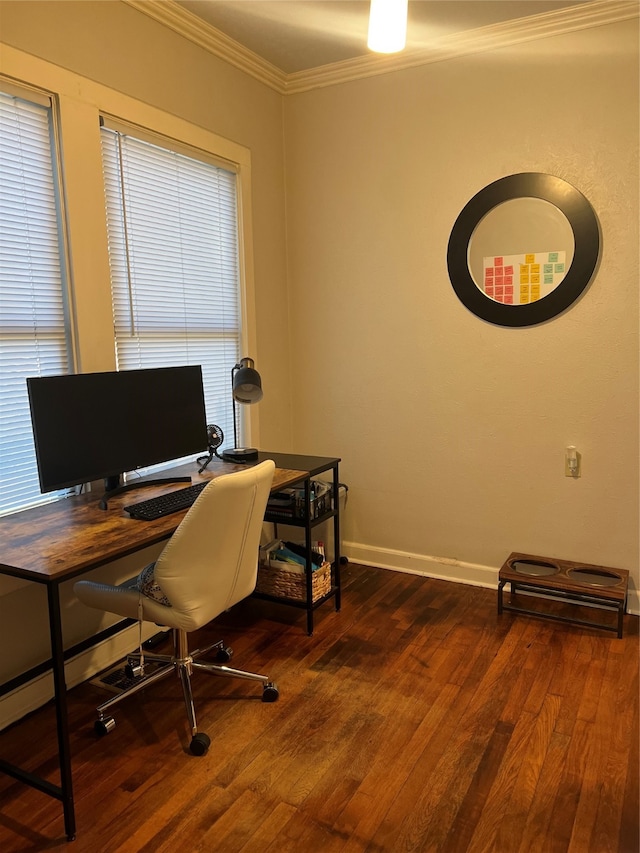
(585, 16)
(196, 30)
(494, 37)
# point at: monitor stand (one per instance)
(113, 486)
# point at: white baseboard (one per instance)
(441, 568)
(39, 690)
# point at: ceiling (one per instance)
(300, 35)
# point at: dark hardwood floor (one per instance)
(415, 719)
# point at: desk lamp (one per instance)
(246, 387)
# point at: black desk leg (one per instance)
(62, 720)
(308, 569)
(337, 557)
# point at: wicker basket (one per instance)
(282, 582)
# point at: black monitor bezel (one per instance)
(104, 420)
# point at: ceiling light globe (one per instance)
(387, 26)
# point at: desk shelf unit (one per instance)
(312, 466)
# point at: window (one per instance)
(173, 250)
(32, 303)
(173, 235)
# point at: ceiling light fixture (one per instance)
(387, 26)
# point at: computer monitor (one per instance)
(91, 426)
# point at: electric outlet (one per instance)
(572, 463)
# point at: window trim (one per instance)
(144, 134)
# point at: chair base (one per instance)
(183, 664)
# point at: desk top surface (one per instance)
(297, 462)
(65, 538)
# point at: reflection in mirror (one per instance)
(520, 251)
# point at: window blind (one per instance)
(173, 247)
(34, 338)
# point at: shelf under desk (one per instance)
(310, 467)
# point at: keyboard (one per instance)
(174, 501)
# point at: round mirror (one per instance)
(523, 249)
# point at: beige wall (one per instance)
(453, 430)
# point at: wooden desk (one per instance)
(59, 541)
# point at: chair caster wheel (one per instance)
(199, 744)
(104, 726)
(270, 692)
(224, 654)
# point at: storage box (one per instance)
(284, 580)
(323, 531)
(289, 504)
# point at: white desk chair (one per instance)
(209, 564)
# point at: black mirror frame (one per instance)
(586, 233)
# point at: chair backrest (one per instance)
(211, 561)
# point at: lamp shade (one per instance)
(247, 385)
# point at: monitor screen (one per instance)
(89, 426)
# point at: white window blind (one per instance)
(32, 311)
(173, 248)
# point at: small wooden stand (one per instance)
(577, 583)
